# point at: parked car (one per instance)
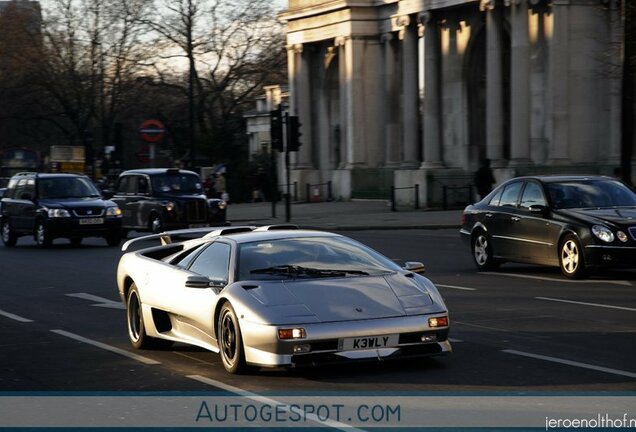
(157, 199)
(578, 223)
(279, 297)
(50, 206)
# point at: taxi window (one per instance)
(532, 195)
(510, 195)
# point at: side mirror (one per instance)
(204, 282)
(414, 266)
(537, 209)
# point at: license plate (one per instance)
(202, 225)
(92, 221)
(368, 342)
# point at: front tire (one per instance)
(230, 341)
(156, 224)
(9, 238)
(42, 236)
(482, 252)
(571, 258)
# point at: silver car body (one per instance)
(330, 310)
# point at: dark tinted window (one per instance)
(126, 185)
(185, 258)
(66, 187)
(591, 193)
(142, 185)
(510, 195)
(532, 195)
(177, 183)
(213, 262)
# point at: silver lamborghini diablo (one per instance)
(278, 296)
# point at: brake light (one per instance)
(438, 322)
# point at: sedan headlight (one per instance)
(603, 233)
(169, 205)
(113, 211)
(58, 213)
(222, 205)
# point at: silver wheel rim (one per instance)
(228, 339)
(6, 232)
(481, 250)
(41, 233)
(570, 256)
(134, 317)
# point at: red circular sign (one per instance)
(152, 131)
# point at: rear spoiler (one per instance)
(167, 236)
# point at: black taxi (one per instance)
(159, 199)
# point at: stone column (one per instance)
(615, 89)
(559, 83)
(431, 113)
(343, 82)
(410, 96)
(392, 139)
(520, 85)
(494, 84)
(304, 156)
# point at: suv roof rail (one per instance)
(277, 227)
(26, 173)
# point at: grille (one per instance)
(632, 231)
(196, 211)
(89, 211)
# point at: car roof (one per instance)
(278, 234)
(157, 171)
(563, 178)
(49, 175)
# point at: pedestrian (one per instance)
(484, 179)
(219, 185)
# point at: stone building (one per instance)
(404, 92)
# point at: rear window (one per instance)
(181, 183)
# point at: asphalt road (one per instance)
(521, 329)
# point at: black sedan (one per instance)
(578, 223)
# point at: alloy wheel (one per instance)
(570, 256)
(481, 250)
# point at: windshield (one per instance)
(310, 257)
(66, 187)
(590, 193)
(177, 183)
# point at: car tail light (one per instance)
(438, 322)
(463, 220)
(292, 333)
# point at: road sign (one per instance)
(152, 131)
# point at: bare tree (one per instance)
(230, 50)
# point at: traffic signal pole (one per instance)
(287, 175)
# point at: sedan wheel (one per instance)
(571, 258)
(230, 341)
(42, 237)
(156, 225)
(8, 236)
(482, 252)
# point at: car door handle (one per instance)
(515, 219)
(488, 215)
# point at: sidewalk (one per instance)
(344, 216)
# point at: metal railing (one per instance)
(416, 196)
(447, 190)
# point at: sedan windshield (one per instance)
(177, 184)
(66, 187)
(310, 257)
(590, 194)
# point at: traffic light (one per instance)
(293, 134)
(276, 130)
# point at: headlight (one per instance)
(113, 211)
(621, 236)
(603, 233)
(222, 205)
(58, 213)
(169, 206)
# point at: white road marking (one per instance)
(15, 317)
(572, 363)
(456, 287)
(101, 301)
(549, 279)
(453, 340)
(262, 399)
(586, 304)
(103, 346)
